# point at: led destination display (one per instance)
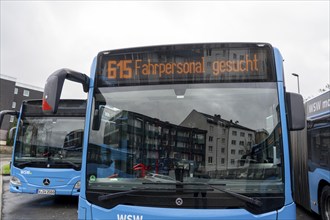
(205, 64)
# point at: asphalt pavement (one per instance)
(303, 214)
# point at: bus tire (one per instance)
(325, 203)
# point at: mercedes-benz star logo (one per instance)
(46, 182)
(179, 201)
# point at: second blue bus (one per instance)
(47, 151)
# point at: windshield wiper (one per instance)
(75, 166)
(133, 190)
(73, 148)
(29, 163)
(24, 163)
(244, 198)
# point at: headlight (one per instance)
(15, 181)
(77, 185)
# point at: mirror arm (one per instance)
(7, 112)
(78, 77)
(54, 85)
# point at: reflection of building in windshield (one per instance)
(207, 143)
(226, 141)
(74, 139)
(158, 145)
(267, 149)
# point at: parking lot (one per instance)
(28, 206)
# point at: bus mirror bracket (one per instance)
(54, 85)
(12, 132)
(7, 112)
(295, 111)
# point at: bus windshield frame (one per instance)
(50, 140)
(187, 74)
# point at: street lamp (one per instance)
(296, 75)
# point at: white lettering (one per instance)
(130, 217)
(138, 217)
(26, 172)
(326, 103)
(121, 217)
(316, 106)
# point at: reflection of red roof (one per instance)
(140, 166)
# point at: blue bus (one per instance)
(311, 158)
(47, 150)
(166, 127)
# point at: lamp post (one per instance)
(296, 75)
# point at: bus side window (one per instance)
(318, 144)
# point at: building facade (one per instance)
(161, 147)
(12, 94)
(226, 140)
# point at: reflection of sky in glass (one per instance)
(249, 106)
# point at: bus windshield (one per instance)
(163, 139)
(49, 141)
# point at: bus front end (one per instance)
(196, 131)
(45, 181)
(48, 149)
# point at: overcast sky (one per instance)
(40, 37)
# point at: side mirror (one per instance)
(295, 111)
(7, 112)
(54, 85)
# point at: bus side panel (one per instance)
(282, 105)
(84, 209)
(125, 212)
(299, 158)
(287, 212)
(86, 129)
(314, 179)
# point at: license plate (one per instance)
(46, 191)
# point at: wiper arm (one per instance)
(73, 148)
(133, 190)
(28, 163)
(244, 198)
(118, 194)
(24, 163)
(76, 166)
